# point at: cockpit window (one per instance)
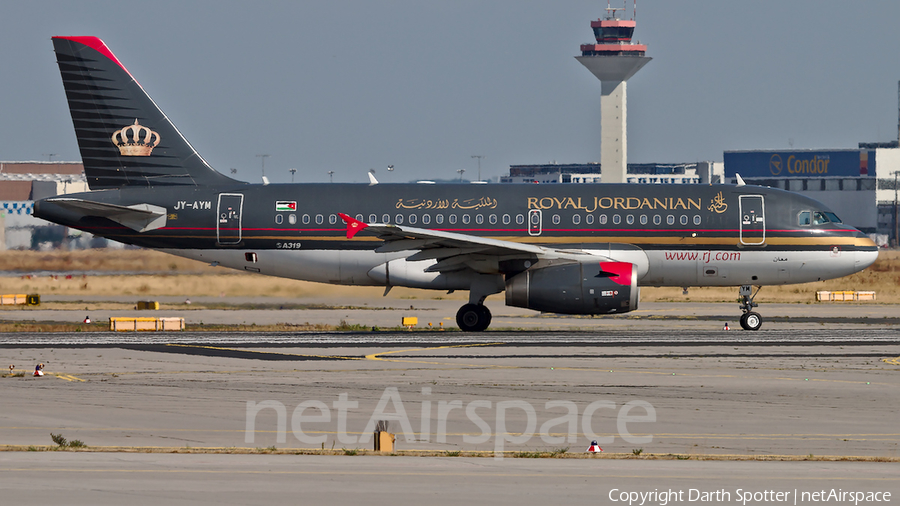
(833, 218)
(819, 218)
(803, 218)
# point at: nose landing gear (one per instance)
(750, 320)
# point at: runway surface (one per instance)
(669, 387)
(58, 478)
(646, 337)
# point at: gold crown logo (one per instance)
(135, 140)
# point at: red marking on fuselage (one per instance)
(354, 226)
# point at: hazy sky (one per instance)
(349, 85)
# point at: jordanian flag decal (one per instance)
(285, 206)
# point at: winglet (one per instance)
(354, 226)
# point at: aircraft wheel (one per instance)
(486, 313)
(473, 317)
(751, 321)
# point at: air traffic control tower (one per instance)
(613, 60)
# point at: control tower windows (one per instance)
(607, 34)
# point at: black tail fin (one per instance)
(124, 138)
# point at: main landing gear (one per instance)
(473, 317)
(750, 320)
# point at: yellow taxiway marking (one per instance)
(67, 377)
(449, 366)
(377, 356)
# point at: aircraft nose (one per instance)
(867, 255)
(865, 259)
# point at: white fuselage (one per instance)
(655, 267)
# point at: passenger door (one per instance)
(228, 223)
(752, 220)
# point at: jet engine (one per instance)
(575, 287)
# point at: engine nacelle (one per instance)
(575, 287)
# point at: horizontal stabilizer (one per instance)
(138, 217)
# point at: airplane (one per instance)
(566, 248)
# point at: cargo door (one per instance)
(228, 224)
(753, 220)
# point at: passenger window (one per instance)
(292, 219)
(479, 219)
(452, 219)
(492, 219)
(629, 219)
(426, 219)
(670, 219)
(332, 219)
(657, 219)
(556, 219)
(697, 219)
(386, 218)
(466, 219)
(643, 219)
(617, 219)
(359, 217)
(520, 219)
(373, 218)
(320, 219)
(279, 219)
(439, 218)
(506, 219)
(684, 219)
(398, 219)
(412, 219)
(576, 219)
(589, 219)
(306, 219)
(602, 220)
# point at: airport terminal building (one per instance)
(859, 185)
(640, 173)
(21, 183)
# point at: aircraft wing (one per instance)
(455, 251)
(139, 217)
